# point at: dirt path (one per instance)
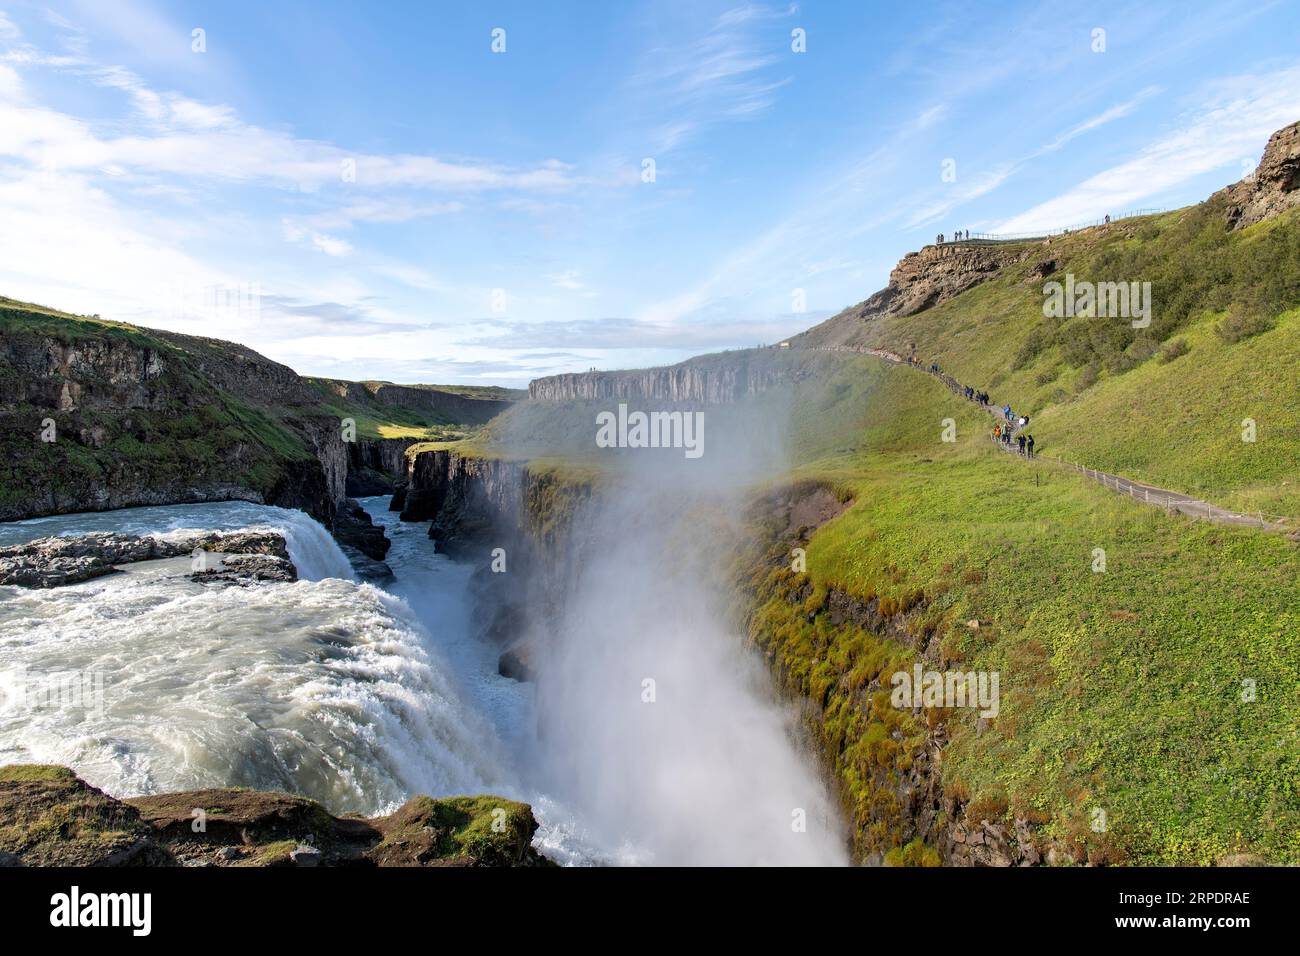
(1172, 501)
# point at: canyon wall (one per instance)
(534, 516)
(442, 406)
(100, 417)
(722, 378)
(376, 465)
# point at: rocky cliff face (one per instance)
(476, 505)
(467, 498)
(376, 465)
(441, 406)
(96, 416)
(64, 376)
(1273, 188)
(938, 273)
(920, 281)
(708, 380)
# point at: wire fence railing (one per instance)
(977, 238)
(1171, 501)
(1174, 502)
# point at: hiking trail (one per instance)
(1174, 502)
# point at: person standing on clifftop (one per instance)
(1029, 442)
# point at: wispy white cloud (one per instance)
(1118, 111)
(181, 136)
(958, 194)
(724, 74)
(377, 210)
(1235, 118)
(571, 281)
(841, 204)
(623, 334)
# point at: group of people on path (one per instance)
(1014, 430)
(1006, 434)
(1012, 427)
(958, 236)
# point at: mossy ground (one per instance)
(47, 773)
(49, 817)
(484, 830)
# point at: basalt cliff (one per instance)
(96, 415)
(716, 379)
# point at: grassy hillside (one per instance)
(377, 420)
(449, 413)
(1121, 690)
(1165, 404)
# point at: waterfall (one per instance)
(325, 687)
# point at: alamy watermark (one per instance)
(24, 691)
(651, 430)
(922, 688)
(1100, 300)
(225, 302)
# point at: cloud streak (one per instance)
(1228, 127)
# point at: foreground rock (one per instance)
(49, 817)
(53, 562)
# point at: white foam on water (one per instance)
(325, 687)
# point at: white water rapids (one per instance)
(355, 695)
(325, 687)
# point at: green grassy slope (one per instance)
(1163, 405)
(1120, 690)
(452, 412)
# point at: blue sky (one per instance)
(367, 190)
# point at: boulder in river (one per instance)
(56, 561)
